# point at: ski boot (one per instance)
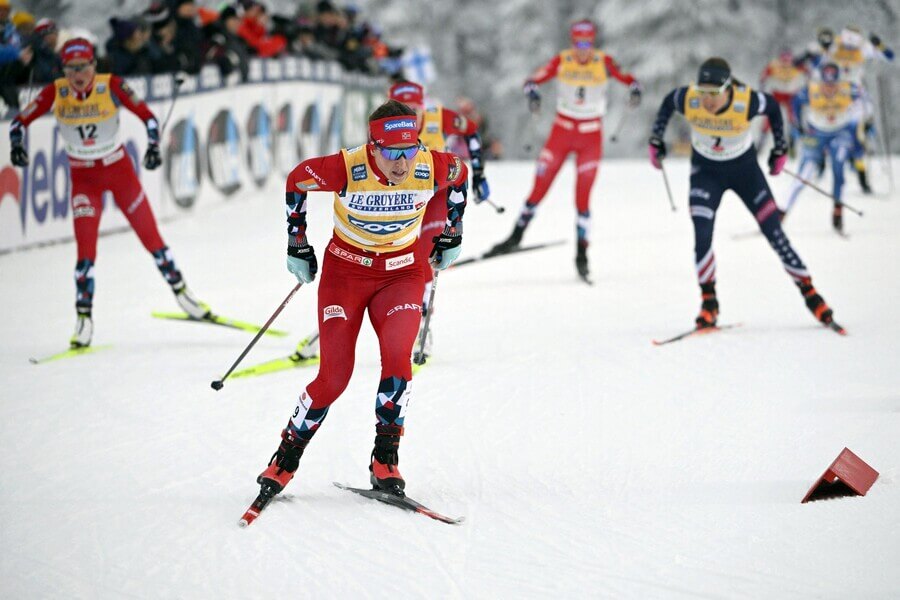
(581, 262)
(384, 473)
(709, 309)
(837, 218)
(815, 303)
(864, 181)
(282, 465)
(509, 244)
(189, 303)
(307, 349)
(84, 330)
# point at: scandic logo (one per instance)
(392, 125)
(334, 311)
(399, 261)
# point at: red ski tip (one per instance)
(837, 328)
(248, 518)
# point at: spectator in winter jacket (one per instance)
(254, 29)
(24, 23)
(162, 41)
(15, 58)
(331, 25)
(127, 50)
(188, 38)
(225, 48)
(10, 42)
(46, 65)
(306, 44)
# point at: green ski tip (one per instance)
(218, 320)
(274, 366)
(72, 352)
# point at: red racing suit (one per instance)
(783, 81)
(370, 264)
(89, 124)
(439, 122)
(581, 104)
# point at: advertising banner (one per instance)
(222, 142)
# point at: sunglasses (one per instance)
(77, 68)
(714, 91)
(395, 153)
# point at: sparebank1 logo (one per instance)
(223, 153)
(260, 145)
(183, 162)
(287, 142)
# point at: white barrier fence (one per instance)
(220, 142)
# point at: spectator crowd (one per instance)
(183, 36)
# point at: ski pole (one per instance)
(662, 168)
(884, 131)
(420, 356)
(615, 135)
(218, 383)
(500, 209)
(809, 183)
(532, 132)
(178, 82)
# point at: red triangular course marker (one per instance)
(848, 475)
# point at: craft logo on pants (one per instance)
(334, 311)
(408, 306)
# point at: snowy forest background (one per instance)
(485, 50)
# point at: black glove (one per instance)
(777, 158)
(634, 95)
(480, 186)
(18, 155)
(447, 247)
(302, 263)
(534, 96)
(152, 158)
(876, 41)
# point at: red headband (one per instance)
(391, 131)
(582, 31)
(75, 49)
(408, 93)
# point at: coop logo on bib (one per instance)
(334, 311)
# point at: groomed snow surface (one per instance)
(587, 462)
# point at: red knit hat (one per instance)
(583, 31)
(408, 93)
(77, 48)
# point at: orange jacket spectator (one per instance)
(253, 30)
